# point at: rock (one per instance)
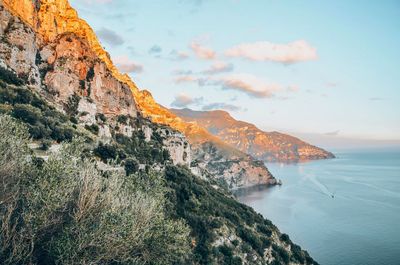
(266, 146)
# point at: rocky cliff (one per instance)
(267, 146)
(59, 55)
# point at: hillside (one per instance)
(88, 178)
(266, 146)
(59, 55)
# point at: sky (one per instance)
(323, 68)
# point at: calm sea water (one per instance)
(359, 225)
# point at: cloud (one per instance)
(293, 88)
(178, 55)
(334, 133)
(202, 52)
(246, 83)
(182, 72)
(219, 67)
(186, 78)
(376, 99)
(110, 37)
(127, 66)
(183, 101)
(331, 84)
(249, 84)
(292, 52)
(156, 49)
(221, 105)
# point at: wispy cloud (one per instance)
(184, 100)
(292, 52)
(155, 49)
(186, 78)
(293, 88)
(219, 67)
(331, 84)
(124, 64)
(221, 105)
(109, 36)
(249, 84)
(178, 55)
(201, 51)
(246, 83)
(376, 99)
(333, 133)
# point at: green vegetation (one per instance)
(43, 120)
(64, 211)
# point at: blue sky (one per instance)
(322, 67)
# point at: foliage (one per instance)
(93, 128)
(64, 211)
(43, 121)
(10, 77)
(131, 166)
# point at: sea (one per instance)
(343, 211)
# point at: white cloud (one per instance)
(110, 36)
(185, 78)
(249, 84)
(183, 101)
(124, 64)
(202, 52)
(246, 83)
(221, 105)
(219, 67)
(292, 52)
(178, 55)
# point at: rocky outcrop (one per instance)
(59, 55)
(267, 146)
(209, 154)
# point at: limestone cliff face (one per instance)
(210, 154)
(59, 55)
(267, 146)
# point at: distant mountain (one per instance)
(267, 146)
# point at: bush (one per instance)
(101, 117)
(26, 113)
(45, 145)
(10, 77)
(94, 128)
(68, 213)
(131, 166)
(106, 152)
(123, 119)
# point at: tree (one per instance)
(131, 166)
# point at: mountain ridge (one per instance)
(267, 146)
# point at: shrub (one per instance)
(131, 166)
(10, 77)
(105, 152)
(101, 117)
(123, 119)
(285, 238)
(68, 213)
(45, 145)
(94, 128)
(71, 108)
(26, 113)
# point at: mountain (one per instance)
(88, 178)
(59, 55)
(266, 146)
